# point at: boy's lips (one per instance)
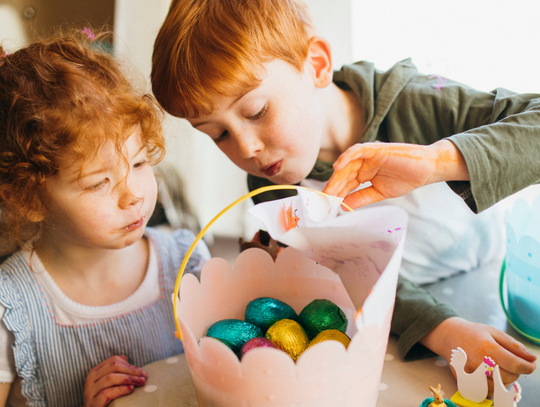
(272, 169)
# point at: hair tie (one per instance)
(88, 32)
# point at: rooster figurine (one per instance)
(471, 386)
(503, 397)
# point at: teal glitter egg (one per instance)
(320, 315)
(265, 312)
(233, 332)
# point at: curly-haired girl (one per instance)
(85, 298)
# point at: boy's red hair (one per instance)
(217, 47)
(61, 98)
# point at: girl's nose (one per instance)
(129, 195)
(249, 145)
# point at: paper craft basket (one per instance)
(324, 375)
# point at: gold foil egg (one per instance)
(288, 336)
(331, 335)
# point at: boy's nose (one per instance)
(249, 145)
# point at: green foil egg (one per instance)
(265, 312)
(288, 336)
(233, 333)
(320, 315)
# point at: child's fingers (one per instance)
(513, 346)
(338, 186)
(107, 361)
(363, 197)
(106, 396)
(345, 180)
(118, 379)
(357, 152)
(115, 364)
(512, 356)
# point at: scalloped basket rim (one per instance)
(218, 266)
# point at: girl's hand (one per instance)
(112, 378)
(394, 169)
(479, 340)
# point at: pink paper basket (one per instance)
(325, 375)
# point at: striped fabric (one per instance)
(53, 359)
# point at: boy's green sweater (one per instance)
(497, 132)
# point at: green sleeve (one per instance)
(502, 156)
(416, 311)
(497, 132)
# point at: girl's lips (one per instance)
(272, 169)
(135, 225)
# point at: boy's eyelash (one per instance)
(221, 137)
(258, 115)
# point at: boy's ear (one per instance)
(31, 214)
(320, 60)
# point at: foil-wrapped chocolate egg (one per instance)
(265, 312)
(320, 315)
(331, 335)
(256, 343)
(288, 336)
(233, 332)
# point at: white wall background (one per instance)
(483, 43)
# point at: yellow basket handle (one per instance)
(258, 191)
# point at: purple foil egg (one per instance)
(258, 342)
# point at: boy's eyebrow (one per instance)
(238, 98)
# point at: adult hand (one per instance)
(393, 169)
(111, 379)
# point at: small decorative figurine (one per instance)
(472, 387)
(503, 397)
(437, 400)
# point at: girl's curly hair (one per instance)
(60, 97)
